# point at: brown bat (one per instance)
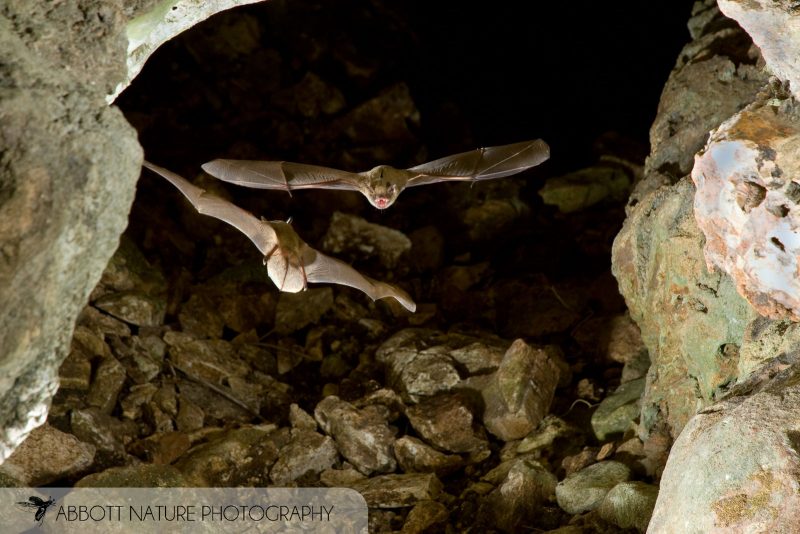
(383, 184)
(290, 262)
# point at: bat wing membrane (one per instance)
(322, 268)
(260, 232)
(482, 163)
(282, 175)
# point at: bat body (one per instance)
(382, 184)
(290, 261)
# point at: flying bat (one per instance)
(383, 184)
(291, 262)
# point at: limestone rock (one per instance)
(421, 363)
(135, 476)
(150, 29)
(398, 491)
(240, 457)
(298, 310)
(617, 412)
(414, 456)
(108, 381)
(105, 433)
(446, 421)
(584, 188)
(586, 489)
(629, 505)
(747, 204)
(742, 454)
(774, 28)
(423, 516)
(685, 312)
(519, 393)
(357, 239)
(518, 498)
(363, 436)
(307, 454)
(48, 455)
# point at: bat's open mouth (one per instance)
(381, 202)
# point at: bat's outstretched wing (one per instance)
(323, 268)
(260, 232)
(482, 163)
(283, 175)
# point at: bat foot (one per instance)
(269, 254)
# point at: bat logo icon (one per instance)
(37, 503)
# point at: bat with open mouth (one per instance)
(291, 262)
(382, 184)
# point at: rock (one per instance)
(355, 238)
(363, 436)
(210, 360)
(427, 244)
(240, 457)
(684, 311)
(307, 454)
(298, 310)
(446, 421)
(581, 189)
(742, 454)
(575, 462)
(716, 74)
(130, 272)
(517, 499)
(46, 456)
(617, 412)
(217, 407)
(75, 371)
(421, 363)
(550, 429)
(398, 491)
(161, 448)
(493, 217)
(629, 505)
(762, 20)
(135, 476)
(190, 416)
(312, 96)
(108, 381)
(423, 516)
(519, 393)
(133, 307)
(414, 456)
(138, 396)
(101, 324)
(77, 156)
(636, 368)
(301, 419)
(107, 434)
(586, 489)
(200, 317)
(382, 124)
(616, 338)
(341, 478)
(536, 308)
(746, 203)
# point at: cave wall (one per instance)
(68, 170)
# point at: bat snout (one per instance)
(381, 203)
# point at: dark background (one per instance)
(480, 73)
